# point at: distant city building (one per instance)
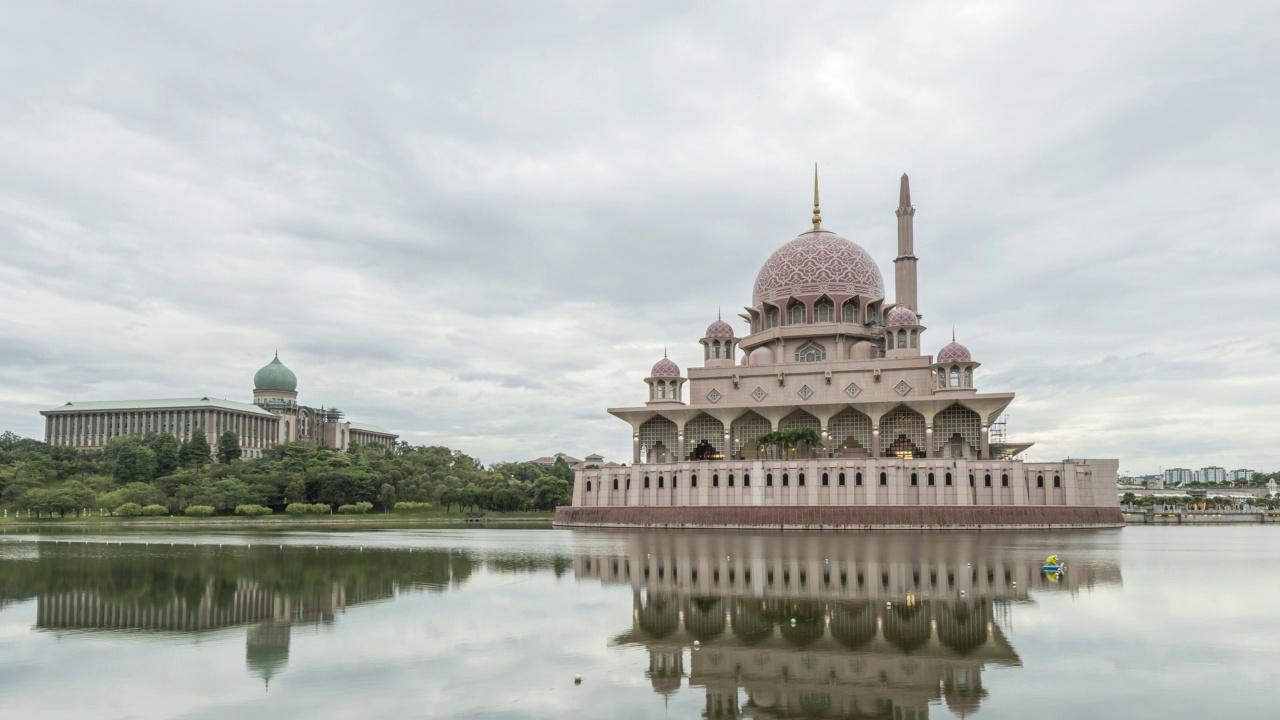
(275, 417)
(1179, 476)
(1240, 475)
(549, 460)
(1212, 474)
(594, 459)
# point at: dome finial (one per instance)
(718, 317)
(953, 333)
(664, 351)
(817, 213)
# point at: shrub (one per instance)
(129, 510)
(252, 510)
(307, 509)
(412, 507)
(359, 508)
(155, 510)
(199, 510)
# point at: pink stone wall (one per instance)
(815, 518)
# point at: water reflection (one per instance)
(142, 592)
(822, 626)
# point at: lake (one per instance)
(1146, 622)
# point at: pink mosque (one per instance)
(827, 414)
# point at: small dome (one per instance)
(901, 315)
(761, 356)
(719, 329)
(954, 352)
(275, 376)
(665, 368)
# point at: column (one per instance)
(680, 445)
(875, 440)
(728, 444)
(826, 438)
(986, 444)
(928, 440)
(635, 448)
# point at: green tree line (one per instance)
(158, 470)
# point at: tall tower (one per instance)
(904, 285)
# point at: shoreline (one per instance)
(282, 521)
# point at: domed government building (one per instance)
(827, 412)
(273, 418)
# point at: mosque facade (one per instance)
(274, 417)
(827, 412)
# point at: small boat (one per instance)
(1053, 566)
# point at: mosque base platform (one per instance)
(862, 517)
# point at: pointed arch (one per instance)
(957, 420)
(658, 434)
(797, 312)
(824, 310)
(849, 311)
(811, 352)
(744, 430)
(902, 433)
(850, 433)
(704, 436)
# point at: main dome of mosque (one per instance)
(815, 263)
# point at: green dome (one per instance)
(275, 376)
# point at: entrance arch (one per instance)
(902, 433)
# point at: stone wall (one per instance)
(847, 517)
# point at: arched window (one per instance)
(693, 481)
(662, 390)
(915, 338)
(715, 480)
(629, 483)
(659, 481)
(730, 479)
(746, 479)
(786, 480)
(902, 339)
(615, 483)
(810, 352)
(1004, 480)
(646, 482)
(840, 479)
(888, 338)
(849, 311)
(824, 480)
(955, 376)
(1039, 481)
(930, 478)
(715, 350)
(588, 486)
(796, 314)
(942, 378)
(824, 312)
(768, 480)
(771, 317)
(1057, 481)
(857, 478)
(884, 478)
(947, 479)
(968, 377)
(915, 479)
(986, 480)
(800, 479)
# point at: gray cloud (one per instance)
(479, 225)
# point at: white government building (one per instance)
(275, 417)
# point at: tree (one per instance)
(550, 492)
(165, 447)
(1129, 498)
(195, 452)
(562, 470)
(134, 462)
(387, 496)
(228, 447)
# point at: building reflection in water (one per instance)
(143, 592)
(818, 625)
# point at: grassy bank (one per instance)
(281, 520)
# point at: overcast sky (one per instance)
(477, 224)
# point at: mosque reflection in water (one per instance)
(823, 626)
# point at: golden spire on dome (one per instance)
(817, 214)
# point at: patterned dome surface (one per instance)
(818, 262)
(954, 352)
(275, 376)
(665, 368)
(719, 329)
(901, 315)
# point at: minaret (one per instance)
(904, 285)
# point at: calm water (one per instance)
(494, 623)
